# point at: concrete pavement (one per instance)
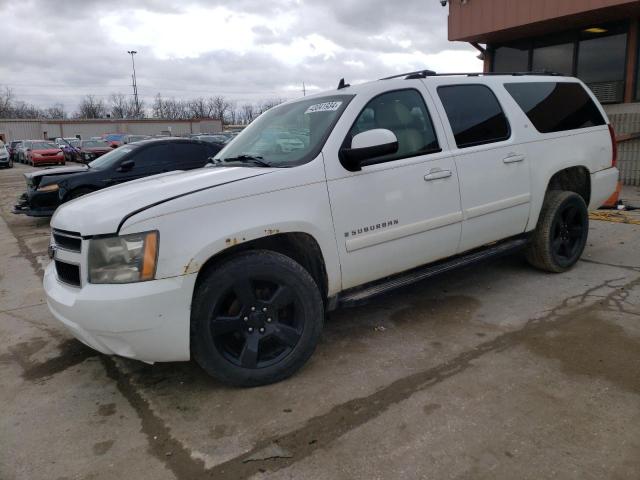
(495, 371)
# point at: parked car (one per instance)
(88, 150)
(217, 139)
(5, 157)
(12, 148)
(398, 180)
(49, 188)
(40, 152)
(68, 146)
(117, 139)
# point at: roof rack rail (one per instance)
(431, 73)
(413, 75)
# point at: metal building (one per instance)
(49, 129)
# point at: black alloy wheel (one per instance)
(256, 318)
(567, 233)
(257, 322)
(561, 234)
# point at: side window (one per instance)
(556, 106)
(475, 115)
(189, 155)
(405, 114)
(154, 158)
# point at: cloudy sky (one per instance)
(247, 50)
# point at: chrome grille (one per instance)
(67, 240)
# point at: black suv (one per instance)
(50, 187)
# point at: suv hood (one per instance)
(102, 212)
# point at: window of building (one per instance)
(475, 115)
(554, 58)
(556, 106)
(405, 114)
(511, 58)
(601, 65)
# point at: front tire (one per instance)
(561, 233)
(256, 319)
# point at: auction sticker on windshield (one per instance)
(324, 107)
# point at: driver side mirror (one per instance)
(367, 145)
(126, 166)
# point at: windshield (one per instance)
(108, 160)
(43, 146)
(114, 137)
(290, 134)
(95, 144)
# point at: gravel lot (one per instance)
(493, 372)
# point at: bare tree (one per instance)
(91, 107)
(54, 112)
(170, 108)
(232, 117)
(219, 107)
(199, 108)
(6, 101)
(269, 104)
(247, 113)
(119, 106)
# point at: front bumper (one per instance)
(146, 321)
(53, 160)
(36, 204)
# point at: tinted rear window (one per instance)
(475, 115)
(556, 107)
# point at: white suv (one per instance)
(396, 180)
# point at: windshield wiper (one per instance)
(255, 160)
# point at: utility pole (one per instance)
(135, 83)
(304, 90)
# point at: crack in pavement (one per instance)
(321, 431)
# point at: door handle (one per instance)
(437, 174)
(513, 158)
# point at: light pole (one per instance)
(135, 85)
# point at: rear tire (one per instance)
(256, 319)
(561, 234)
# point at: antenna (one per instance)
(342, 84)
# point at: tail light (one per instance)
(614, 146)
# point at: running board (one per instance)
(357, 295)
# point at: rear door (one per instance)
(495, 185)
(187, 156)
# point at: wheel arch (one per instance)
(573, 179)
(301, 247)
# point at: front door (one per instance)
(402, 210)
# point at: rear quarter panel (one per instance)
(550, 153)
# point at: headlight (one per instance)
(54, 187)
(123, 259)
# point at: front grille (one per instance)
(68, 273)
(68, 240)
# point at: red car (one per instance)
(41, 152)
(88, 150)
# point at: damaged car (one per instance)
(50, 187)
